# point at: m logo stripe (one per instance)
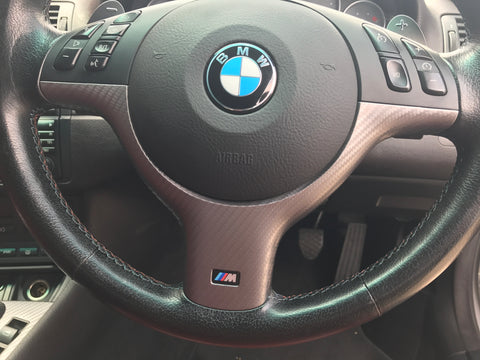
(219, 276)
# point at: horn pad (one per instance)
(238, 129)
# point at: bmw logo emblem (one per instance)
(240, 78)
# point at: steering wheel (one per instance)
(242, 116)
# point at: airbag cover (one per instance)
(277, 149)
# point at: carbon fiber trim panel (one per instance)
(244, 237)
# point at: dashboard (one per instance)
(379, 12)
(436, 24)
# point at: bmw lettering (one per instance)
(240, 78)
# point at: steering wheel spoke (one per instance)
(230, 254)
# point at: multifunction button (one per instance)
(67, 59)
(104, 47)
(76, 44)
(416, 51)
(396, 74)
(116, 30)
(127, 17)
(96, 62)
(88, 31)
(430, 77)
(381, 41)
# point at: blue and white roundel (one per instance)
(240, 76)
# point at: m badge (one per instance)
(225, 277)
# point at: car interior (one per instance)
(240, 179)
